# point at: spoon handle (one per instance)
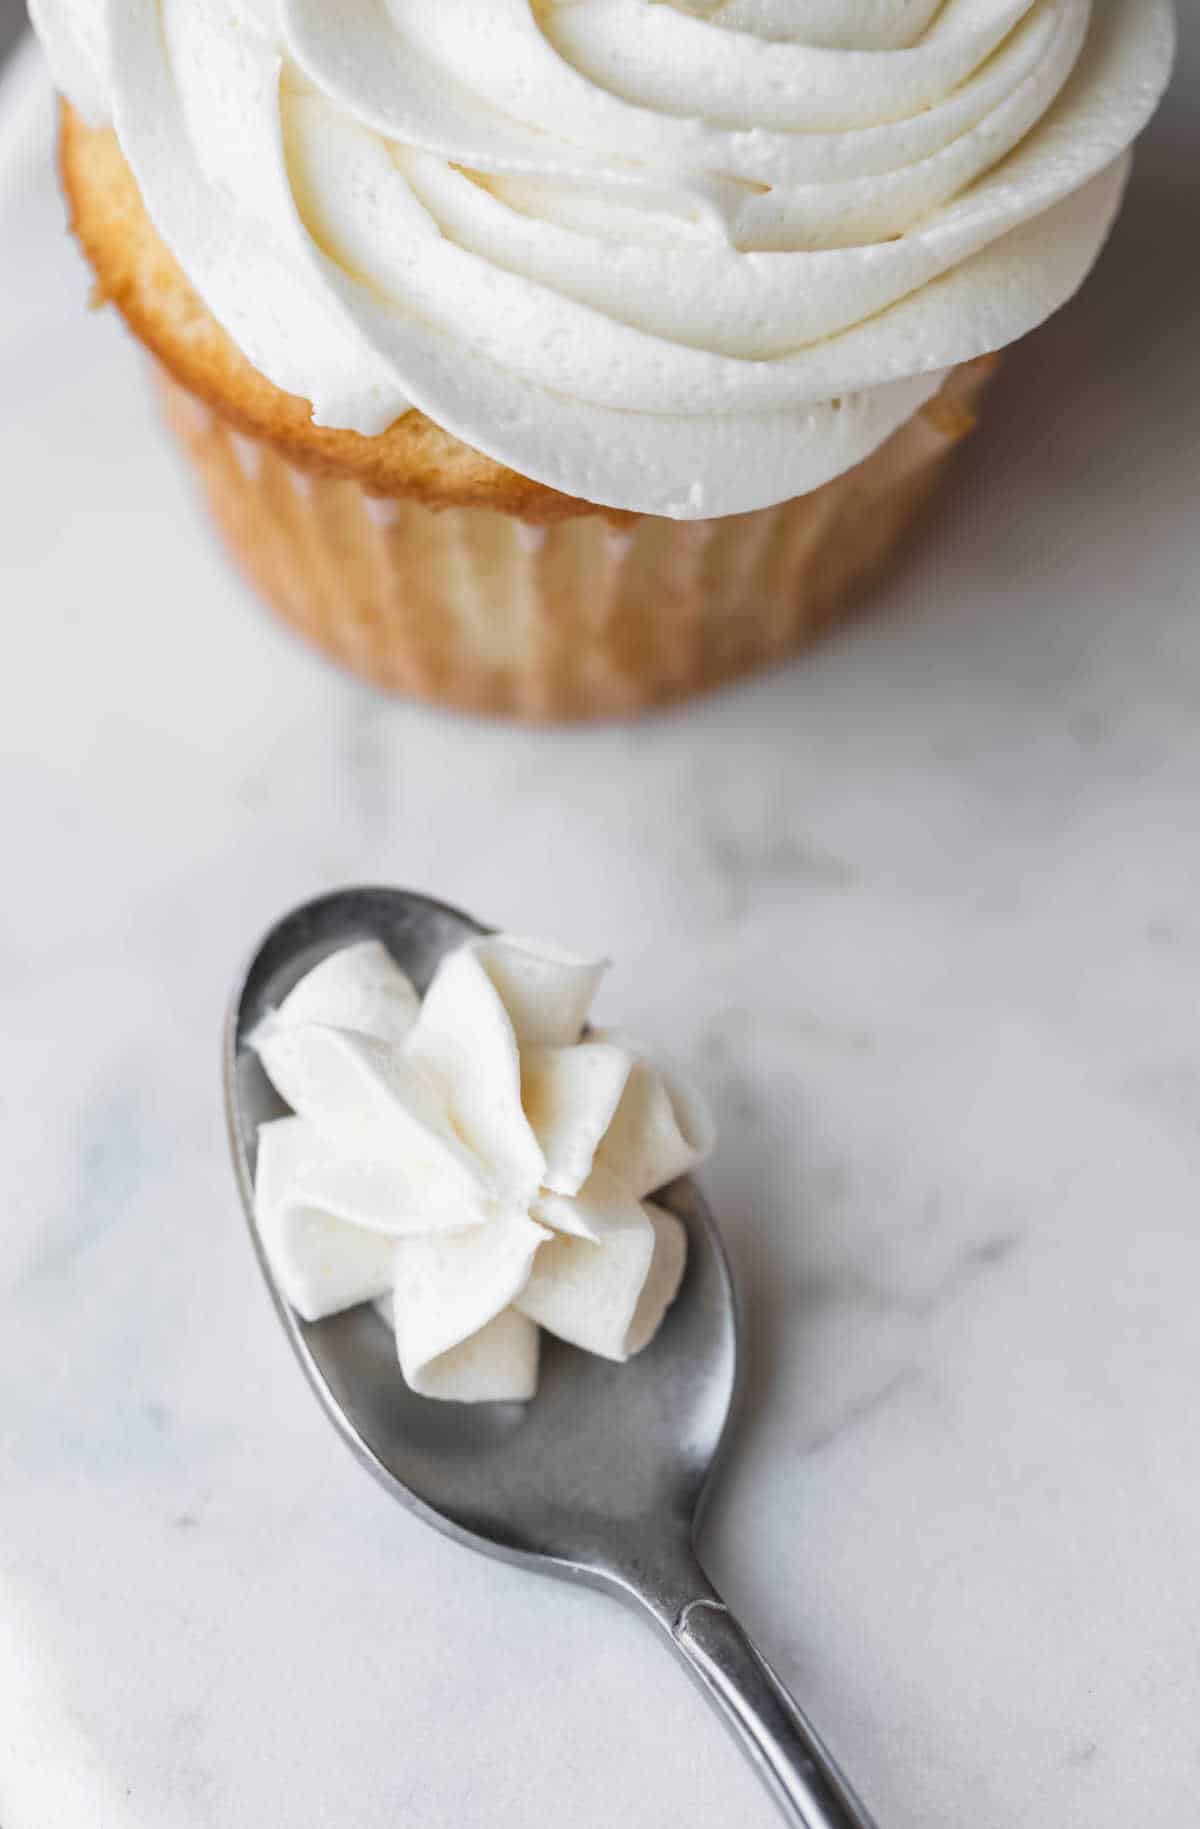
(779, 1740)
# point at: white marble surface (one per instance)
(924, 914)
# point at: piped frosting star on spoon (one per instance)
(476, 1163)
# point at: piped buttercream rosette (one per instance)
(687, 259)
(476, 1163)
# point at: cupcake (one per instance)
(558, 357)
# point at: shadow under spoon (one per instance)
(599, 1479)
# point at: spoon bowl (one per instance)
(601, 1477)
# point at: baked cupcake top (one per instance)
(680, 257)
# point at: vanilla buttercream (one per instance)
(473, 1162)
(685, 259)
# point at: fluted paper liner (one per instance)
(591, 616)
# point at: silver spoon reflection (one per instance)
(599, 1479)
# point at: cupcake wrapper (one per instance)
(586, 617)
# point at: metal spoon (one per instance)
(601, 1478)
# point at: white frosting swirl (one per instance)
(686, 258)
(470, 1163)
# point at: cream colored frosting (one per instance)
(471, 1163)
(681, 258)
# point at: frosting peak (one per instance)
(470, 1164)
(686, 258)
